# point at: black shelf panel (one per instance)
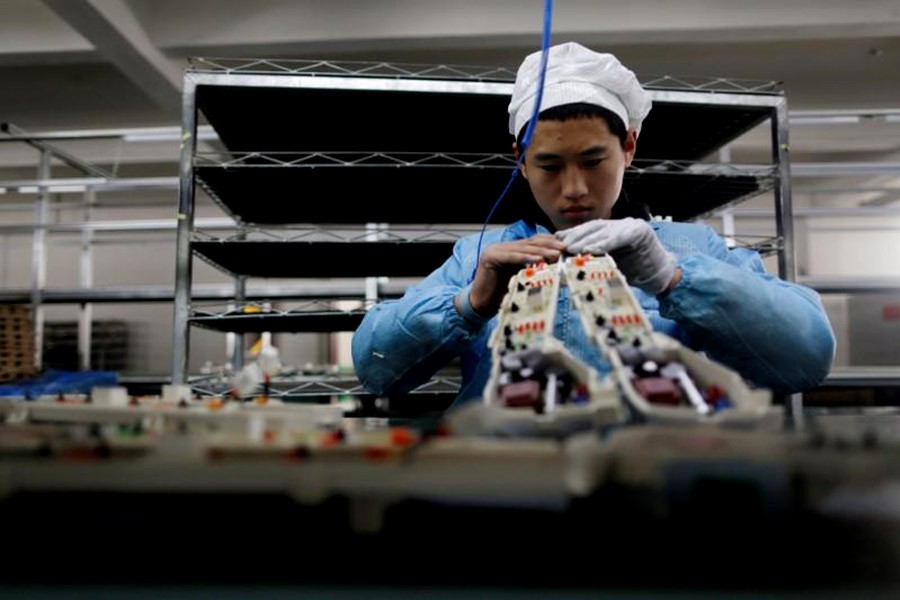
(298, 322)
(288, 119)
(344, 195)
(418, 195)
(687, 196)
(270, 119)
(325, 259)
(691, 132)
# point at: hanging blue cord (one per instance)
(529, 131)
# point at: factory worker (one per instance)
(690, 284)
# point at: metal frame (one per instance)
(425, 78)
(39, 261)
(313, 386)
(185, 217)
(249, 310)
(343, 290)
(86, 281)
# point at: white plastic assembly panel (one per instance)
(660, 379)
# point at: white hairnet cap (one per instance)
(577, 74)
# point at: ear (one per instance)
(630, 146)
(522, 170)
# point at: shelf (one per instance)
(410, 188)
(255, 105)
(310, 317)
(863, 376)
(299, 387)
(325, 259)
(333, 145)
(852, 285)
(201, 293)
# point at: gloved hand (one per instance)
(632, 244)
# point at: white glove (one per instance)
(632, 244)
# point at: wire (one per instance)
(529, 131)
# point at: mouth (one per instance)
(575, 211)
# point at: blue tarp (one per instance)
(53, 381)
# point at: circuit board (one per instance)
(652, 374)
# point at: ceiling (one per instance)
(89, 64)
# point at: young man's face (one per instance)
(575, 169)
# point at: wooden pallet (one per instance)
(16, 343)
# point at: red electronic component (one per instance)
(658, 390)
(376, 453)
(402, 436)
(713, 393)
(333, 438)
(521, 393)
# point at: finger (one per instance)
(596, 242)
(546, 239)
(521, 257)
(546, 251)
(587, 232)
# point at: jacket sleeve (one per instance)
(773, 332)
(401, 343)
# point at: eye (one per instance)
(593, 162)
(550, 168)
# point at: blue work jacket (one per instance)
(774, 333)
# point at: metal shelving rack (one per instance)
(344, 170)
(93, 180)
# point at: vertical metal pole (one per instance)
(784, 227)
(181, 334)
(230, 343)
(86, 281)
(373, 234)
(727, 216)
(784, 215)
(39, 260)
(240, 298)
(728, 228)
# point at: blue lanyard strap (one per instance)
(529, 131)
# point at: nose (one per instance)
(574, 184)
